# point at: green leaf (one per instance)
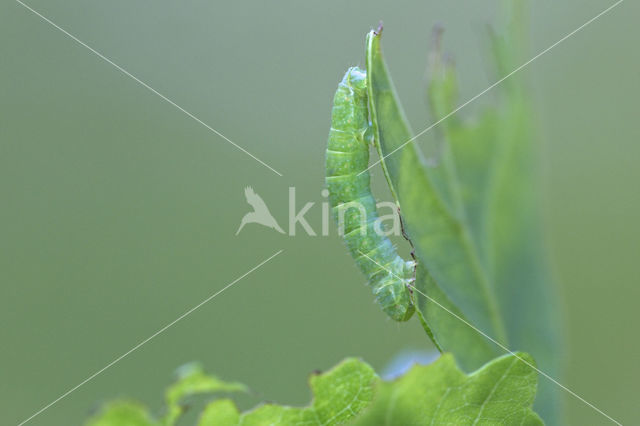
(192, 380)
(494, 158)
(222, 412)
(338, 396)
(500, 393)
(122, 413)
(450, 271)
(473, 218)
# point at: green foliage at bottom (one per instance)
(501, 392)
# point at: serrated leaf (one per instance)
(500, 393)
(122, 413)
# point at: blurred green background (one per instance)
(118, 212)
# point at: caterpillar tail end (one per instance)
(393, 297)
(400, 313)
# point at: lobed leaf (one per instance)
(500, 393)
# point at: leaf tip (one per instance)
(378, 31)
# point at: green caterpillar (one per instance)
(353, 206)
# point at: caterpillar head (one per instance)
(356, 79)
